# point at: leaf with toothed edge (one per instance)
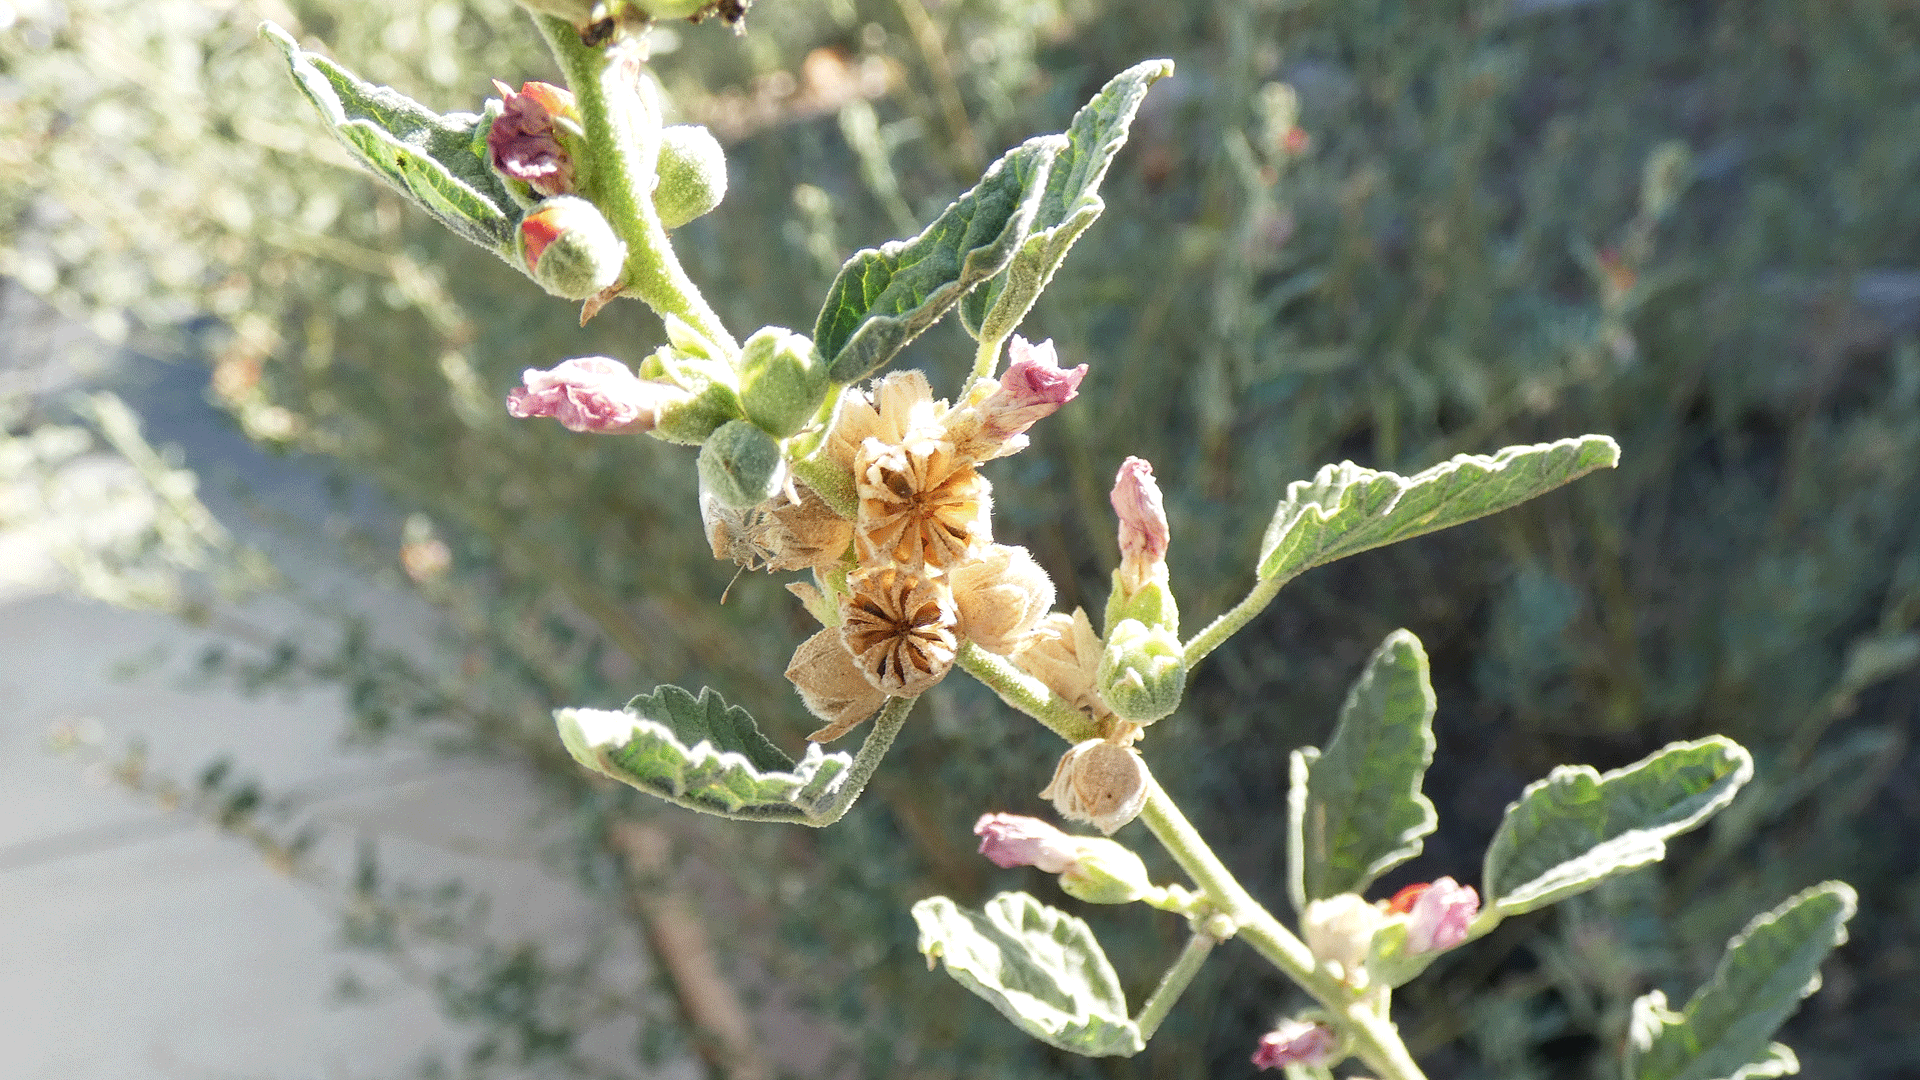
(885, 297)
(1071, 203)
(437, 161)
(703, 754)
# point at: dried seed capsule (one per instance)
(1102, 783)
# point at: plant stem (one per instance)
(1235, 617)
(886, 725)
(1028, 694)
(1174, 983)
(985, 359)
(621, 117)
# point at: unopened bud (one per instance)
(570, 249)
(691, 177)
(1143, 671)
(780, 385)
(1439, 915)
(1102, 783)
(1143, 525)
(741, 466)
(1339, 931)
(594, 393)
(1034, 387)
(1296, 1042)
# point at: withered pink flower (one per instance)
(1439, 915)
(522, 142)
(593, 393)
(1010, 840)
(1034, 387)
(1295, 1042)
(1143, 524)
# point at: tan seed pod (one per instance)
(1099, 782)
(1000, 596)
(920, 504)
(1064, 653)
(832, 686)
(899, 628)
(897, 404)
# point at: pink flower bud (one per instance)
(522, 141)
(1295, 1042)
(1034, 387)
(1010, 840)
(1438, 915)
(1143, 524)
(593, 393)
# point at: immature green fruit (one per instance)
(780, 385)
(570, 248)
(741, 466)
(691, 177)
(1142, 671)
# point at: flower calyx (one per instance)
(568, 246)
(1103, 782)
(781, 382)
(1143, 671)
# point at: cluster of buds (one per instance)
(1389, 941)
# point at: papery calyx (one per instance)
(1100, 782)
(1000, 595)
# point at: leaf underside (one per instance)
(1578, 827)
(1039, 966)
(1070, 204)
(1357, 810)
(436, 161)
(1727, 1027)
(703, 754)
(1346, 509)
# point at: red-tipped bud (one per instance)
(1438, 915)
(1296, 1042)
(570, 248)
(1091, 869)
(593, 393)
(1143, 524)
(522, 142)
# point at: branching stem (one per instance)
(1235, 617)
(886, 725)
(1174, 983)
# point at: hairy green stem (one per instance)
(1235, 617)
(885, 726)
(985, 359)
(1174, 983)
(1028, 694)
(621, 118)
(1377, 1042)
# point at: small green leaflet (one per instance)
(1576, 828)
(1346, 509)
(430, 158)
(703, 754)
(1071, 203)
(1041, 967)
(1356, 811)
(884, 298)
(1725, 1031)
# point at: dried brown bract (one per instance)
(832, 686)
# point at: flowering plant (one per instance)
(875, 487)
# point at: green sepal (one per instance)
(781, 385)
(1143, 672)
(1153, 605)
(1071, 203)
(703, 754)
(1356, 810)
(1346, 509)
(425, 156)
(885, 297)
(1576, 828)
(1041, 967)
(1727, 1027)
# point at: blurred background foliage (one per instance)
(1376, 229)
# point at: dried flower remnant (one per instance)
(1000, 596)
(1143, 525)
(593, 393)
(899, 629)
(522, 141)
(1010, 840)
(1034, 387)
(1063, 652)
(1091, 869)
(921, 504)
(893, 406)
(1296, 1042)
(1439, 915)
(778, 534)
(832, 686)
(1102, 783)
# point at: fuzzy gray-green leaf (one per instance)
(703, 754)
(1726, 1029)
(1577, 827)
(1360, 811)
(1071, 202)
(885, 297)
(1346, 509)
(1041, 967)
(427, 157)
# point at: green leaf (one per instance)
(883, 298)
(429, 158)
(1346, 509)
(1041, 967)
(1356, 811)
(1070, 204)
(703, 754)
(1725, 1029)
(1577, 827)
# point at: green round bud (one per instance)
(741, 466)
(1143, 671)
(691, 177)
(780, 385)
(570, 248)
